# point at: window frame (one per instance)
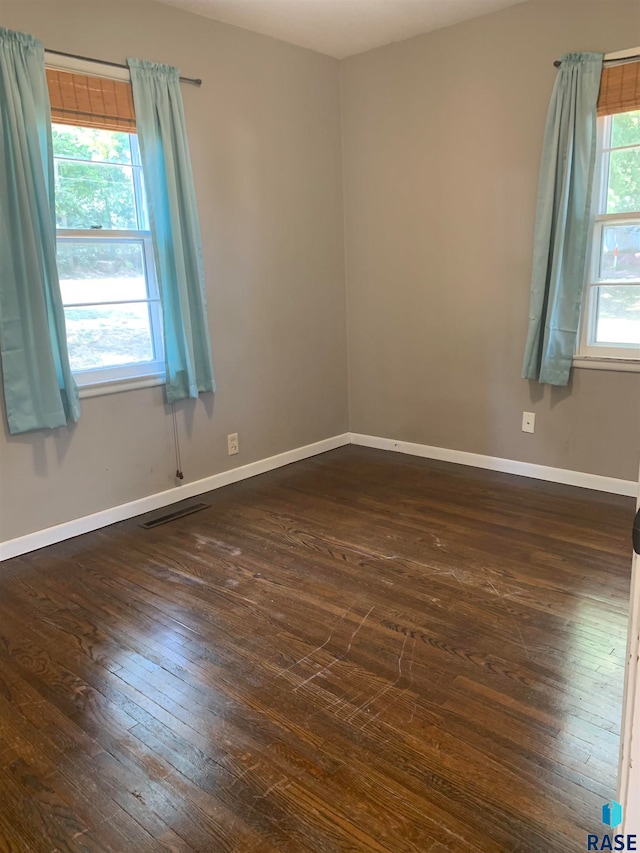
(606, 356)
(108, 380)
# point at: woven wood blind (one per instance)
(619, 89)
(91, 101)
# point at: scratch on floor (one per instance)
(348, 702)
(413, 651)
(340, 700)
(244, 773)
(338, 659)
(381, 693)
(408, 687)
(231, 550)
(343, 546)
(438, 542)
(307, 656)
(272, 788)
(512, 618)
(266, 794)
(78, 834)
(332, 707)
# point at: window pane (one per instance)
(101, 270)
(625, 129)
(623, 194)
(94, 194)
(88, 143)
(108, 335)
(618, 320)
(620, 258)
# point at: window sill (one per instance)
(100, 389)
(626, 365)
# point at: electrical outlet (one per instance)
(528, 422)
(232, 444)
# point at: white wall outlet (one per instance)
(528, 422)
(232, 444)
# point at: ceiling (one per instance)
(342, 27)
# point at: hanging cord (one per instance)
(176, 444)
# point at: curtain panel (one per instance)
(39, 388)
(563, 220)
(174, 226)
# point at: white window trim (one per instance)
(152, 373)
(590, 355)
(621, 365)
(101, 389)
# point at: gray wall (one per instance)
(264, 132)
(442, 137)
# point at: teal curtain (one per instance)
(175, 229)
(39, 389)
(563, 220)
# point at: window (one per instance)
(105, 256)
(611, 312)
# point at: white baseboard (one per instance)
(50, 535)
(508, 466)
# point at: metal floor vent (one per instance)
(171, 516)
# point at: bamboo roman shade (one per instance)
(619, 89)
(91, 101)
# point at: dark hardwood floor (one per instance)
(360, 652)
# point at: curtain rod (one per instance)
(195, 81)
(620, 61)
